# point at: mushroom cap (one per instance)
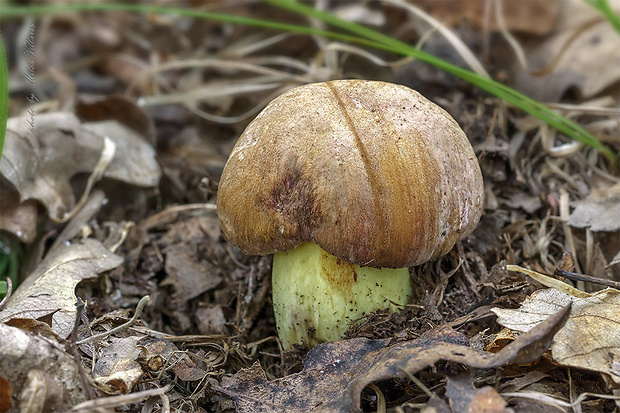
(373, 172)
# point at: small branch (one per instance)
(86, 385)
(575, 276)
(118, 401)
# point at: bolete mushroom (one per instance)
(348, 183)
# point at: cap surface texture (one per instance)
(373, 172)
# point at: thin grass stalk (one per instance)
(359, 34)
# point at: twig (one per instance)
(117, 401)
(143, 302)
(418, 383)
(76, 355)
(575, 276)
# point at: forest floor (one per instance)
(173, 93)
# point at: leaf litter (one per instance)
(173, 117)
(590, 339)
(335, 374)
(49, 290)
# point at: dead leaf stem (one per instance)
(141, 304)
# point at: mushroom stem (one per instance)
(316, 295)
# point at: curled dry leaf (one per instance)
(116, 370)
(590, 339)
(41, 393)
(49, 290)
(23, 353)
(40, 165)
(335, 373)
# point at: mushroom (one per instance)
(348, 183)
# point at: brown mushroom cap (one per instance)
(373, 172)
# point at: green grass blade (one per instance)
(358, 34)
(4, 94)
(603, 6)
(17, 11)
(504, 92)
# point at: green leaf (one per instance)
(4, 94)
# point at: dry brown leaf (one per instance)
(590, 339)
(590, 62)
(119, 108)
(189, 278)
(49, 290)
(116, 370)
(23, 352)
(211, 319)
(600, 211)
(464, 397)
(5, 395)
(40, 165)
(18, 218)
(487, 400)
(36, 327)
(523, 382)
(528, 16)
(183, 366)
(615, 260)
(335, 373)
(41, 393)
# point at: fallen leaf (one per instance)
(182, 366)
(36, 327)
(435, 405)
(24, 352)
(615, 260)
(487, 400)
(118, 108)
(16, 217)
(335, 373)
(528, 16)
(40, 165)
(590, 62)
(189, 278)
(600, 211)
(464, 397)
(41, 393)
(116, 370)
(500, 340)
(528, 203)
(460, 391)
(211, 320)
(590, 339)
(523, 382)
(5, 395)
(49, 290)
(134, 162)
